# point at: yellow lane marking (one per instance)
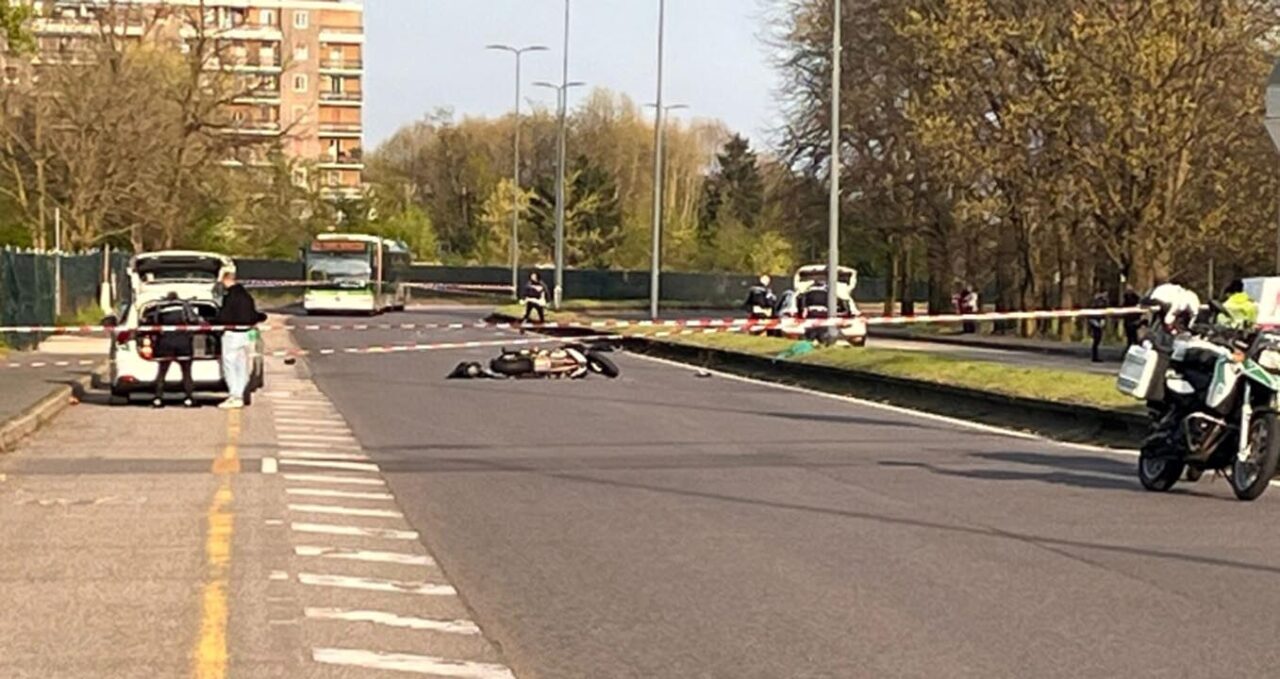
(209, 658)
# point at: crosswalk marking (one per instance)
(418, 664)
(322, 464)
(346, 511)
(339, 494)
(364, 555)
(392, 620)
(353, 531)
(343, 480)
(375, 584)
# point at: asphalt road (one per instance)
(666, 525)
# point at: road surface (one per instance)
(659, 525)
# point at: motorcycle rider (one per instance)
(761, 300)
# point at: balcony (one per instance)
(341, 129)
(355, 98)
(255, 128)
(350, 65)
(352, 35)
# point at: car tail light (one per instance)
(144, 348)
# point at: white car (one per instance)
(195, 277)
(806, 302)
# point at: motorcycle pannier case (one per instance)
(1142, 374)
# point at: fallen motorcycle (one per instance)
(571, 361)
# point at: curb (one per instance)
(16, 430)
(1109, 353)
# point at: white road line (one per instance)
(392, 620)
(327, 427)
(269, 465)
(345, 480)
(354, 531)
(321, 455)
(321, 464)
(316, 437)
(343, 494)
(346, 511)
(376, 584)
(370, 556)
(278, 575)
(417, 664)
(331, 445)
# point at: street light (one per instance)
(833, 232)
(515, 197)
(654, 277)
(660, 204)
(562, 101)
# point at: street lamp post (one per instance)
(562, 104)
(833, 229)
(515, 197)
(655, 263)
(660, 192)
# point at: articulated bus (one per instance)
(356, 273)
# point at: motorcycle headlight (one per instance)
(1269, 359)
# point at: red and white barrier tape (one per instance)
(745, 323)
(264, 284)
(346, 351)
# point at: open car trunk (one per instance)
(204, 345)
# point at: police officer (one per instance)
(761, 300)
(1242, 312)
(535, 298)
(174, 347)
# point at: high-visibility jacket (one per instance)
(1242, 312)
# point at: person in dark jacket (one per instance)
(1131, 323)
(535, 299)
(174, 347)
(761, 300)
(239, 310)
(1097, 324)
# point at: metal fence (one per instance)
(29, 281)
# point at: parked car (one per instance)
(194, 277)
(807, 301)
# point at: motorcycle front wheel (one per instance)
(1251, 476)
(602, 364)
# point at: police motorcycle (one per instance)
(1211, 393)
(570, 361)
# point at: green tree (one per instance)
(734, 188)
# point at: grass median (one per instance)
(1048, 384)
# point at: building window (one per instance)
(266, 17)
(333, 178)
(301, 52)
(299, 83)
(301, 19)
(266, 56)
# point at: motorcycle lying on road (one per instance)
(571, 361)
(1211, 394)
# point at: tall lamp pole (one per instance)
(655, 262)
(515, 197)
(833, 229)
(560, 162)
(562, 103)
(661, 194)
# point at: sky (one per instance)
(422, 55)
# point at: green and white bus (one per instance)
(356, 273)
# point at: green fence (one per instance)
(28, 281)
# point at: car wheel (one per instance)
(119, 397)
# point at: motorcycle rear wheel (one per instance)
(1250, 478)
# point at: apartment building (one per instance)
(301, 60)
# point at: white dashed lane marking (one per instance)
(396, 558)
(418, 664)
(393, 620)
(353, 531)
(322, 455)
(376, 584)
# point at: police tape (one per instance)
(747, 324)
(344, 351)
(268, 283)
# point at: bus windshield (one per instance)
(339, 267)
